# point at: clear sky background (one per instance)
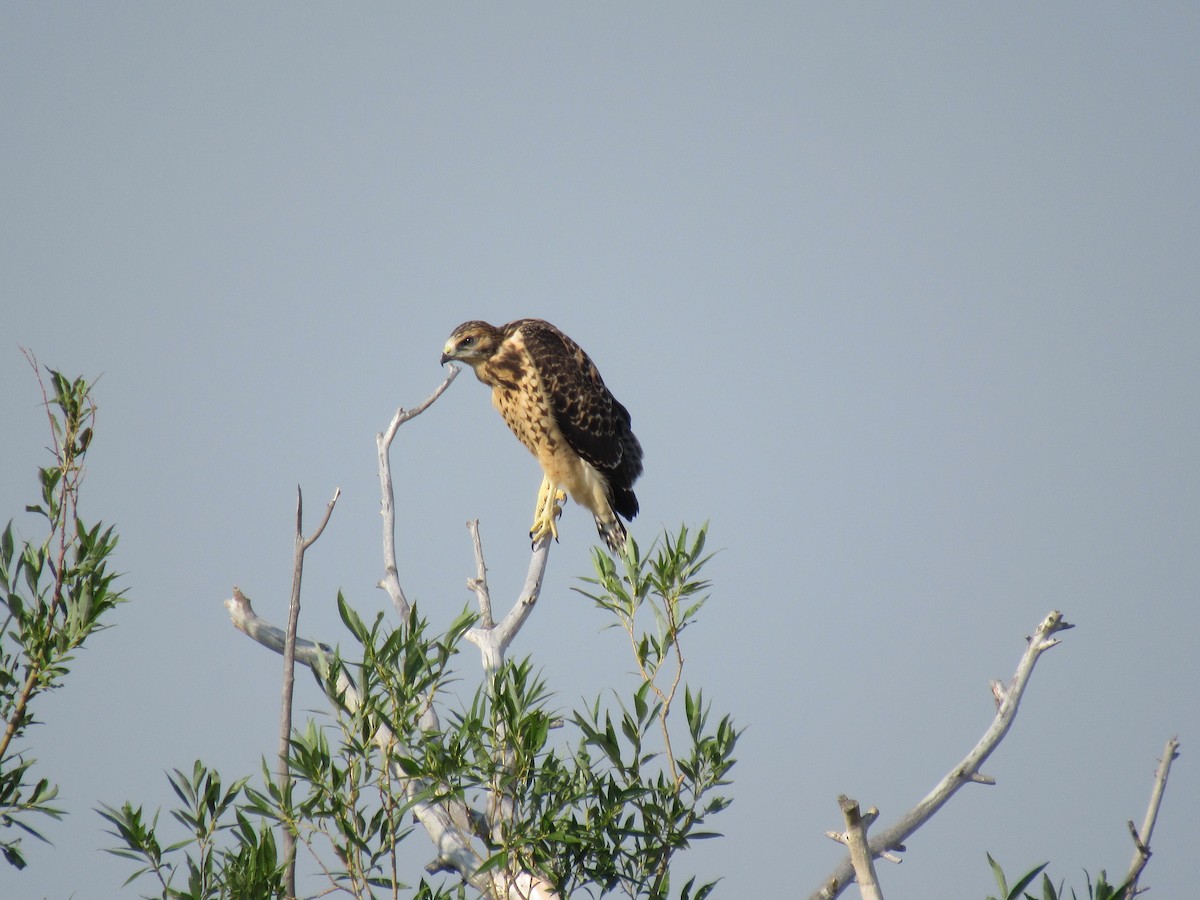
(905, 300)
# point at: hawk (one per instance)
(554, 400)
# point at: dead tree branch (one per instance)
(1141, 839)
(448, 820)
(383, 445)
(289, 668)
(479, 583)
(967, 771)
(860, 853)
(493, 639)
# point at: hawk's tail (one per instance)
(613, 532)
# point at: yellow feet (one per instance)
(548, 509)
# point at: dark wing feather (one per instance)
(593, 421)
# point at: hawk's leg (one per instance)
(547, 510)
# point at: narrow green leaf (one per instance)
(1001, 881)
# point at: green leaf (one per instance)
(496, 861)
(1001, 882)
(6, 548)
(352, 621)
(1025, 881)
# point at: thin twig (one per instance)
(289, 669)
(479, 583)
(650, 675)
(65, 454)
(669, 697)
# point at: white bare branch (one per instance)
(860, 852)
(1141, 839)
(448, 822)
(479, 583)
(383, 445)
(493, 642)
(966, 772)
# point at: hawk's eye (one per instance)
(467, 341)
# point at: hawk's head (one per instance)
(473, 343)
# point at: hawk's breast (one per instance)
(521, 399)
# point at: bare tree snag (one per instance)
(967, 771)
(1141, 839)
(860, 853)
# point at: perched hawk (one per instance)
(554, 400)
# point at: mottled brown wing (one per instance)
(592, 420)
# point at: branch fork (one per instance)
(967, 771)
(450, 823)
(494, 638)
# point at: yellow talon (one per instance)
(548, 509)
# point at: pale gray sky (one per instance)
(905, 300)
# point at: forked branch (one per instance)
(967, 771)
(860, 853)
(493, 638)
(449, 822)
(289, 668)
